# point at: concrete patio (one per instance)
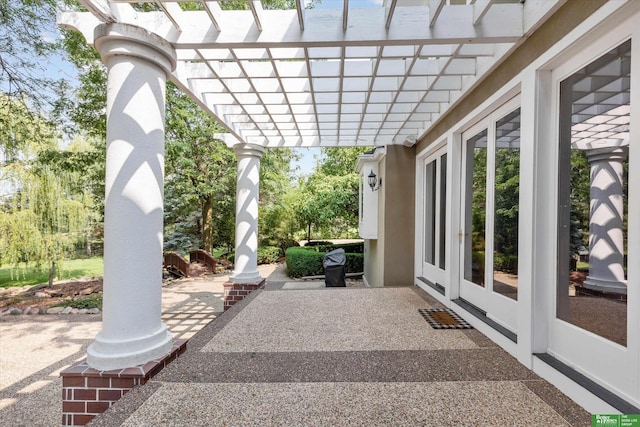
(340, 356)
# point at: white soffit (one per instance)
(324, 77)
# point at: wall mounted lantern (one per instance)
(374, 183)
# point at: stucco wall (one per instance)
(372, 266)
(374, 249)
(398, 222)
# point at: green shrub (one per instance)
(304, 261)
(355, 263)
(318, 243)
(351, 248)
(269, 254)
(285, 244)
(506, 263)
(91, 301)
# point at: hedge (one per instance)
(350, 248)
(269, 254)
(307, 261)
(266, 255)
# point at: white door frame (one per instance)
(433, 272)
(613, 366)
(498, 307)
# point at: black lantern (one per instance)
(374, 183)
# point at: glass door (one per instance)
(590, 318)
(488, 233)
(434, 218)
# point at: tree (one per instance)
(275, 215)
(327, 200)
(200, 173)
(28, 34)
(43, 215)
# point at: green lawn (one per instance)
(582, 265)
(30, 276)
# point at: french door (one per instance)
(488, 233)
(434, 217)
(592, 327)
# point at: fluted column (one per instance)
(606, 240)
(246, 255)
(132, 330)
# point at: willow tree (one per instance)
(42, 214)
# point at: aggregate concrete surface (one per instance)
(305, 356)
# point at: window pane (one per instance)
(430, 213)
(592, 205)
(443, 209)
(507, 191)
(475, 208)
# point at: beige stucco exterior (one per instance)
(389, 260)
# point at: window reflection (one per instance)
(430, 213)
(475, 208)
(507, 192)
(592, 204)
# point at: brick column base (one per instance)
(234, 292)
(87, 392)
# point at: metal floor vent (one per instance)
(443, 318)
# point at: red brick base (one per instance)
(234, 292)
(87, 392)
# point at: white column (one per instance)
(606, 240)
(132, 330)
(246, 257)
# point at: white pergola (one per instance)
(325, 77)
(273, 78)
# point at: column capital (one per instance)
(607, 154)
(128, 40)
(248, 150)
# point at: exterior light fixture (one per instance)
(374, 183)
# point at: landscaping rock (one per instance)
(15, 311)
(34, 310)
(55, 310)
(26, 310)
(93, 311)
(83, 311)
(67, 310)
(74, 311)
(42, 295)
(87, 291)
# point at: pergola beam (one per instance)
(300, 11)
(480, 10)
(100, 9)
(212, 8)
(389, 10)
(345, 14)
(367, 27)
(173, 13)
(256, 11)
(435, 8)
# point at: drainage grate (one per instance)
(443, 318)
